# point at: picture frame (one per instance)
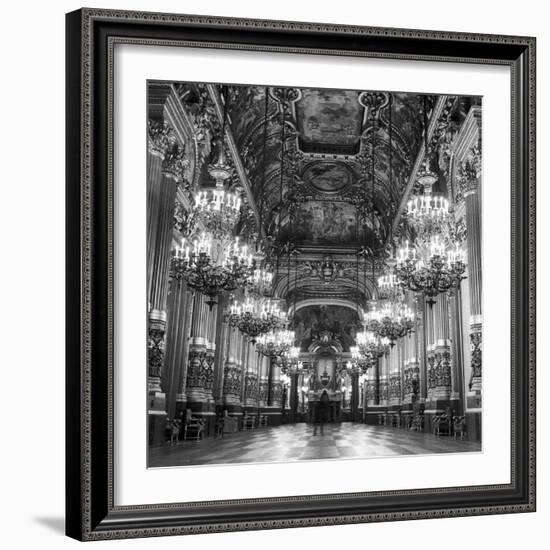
(90, 334)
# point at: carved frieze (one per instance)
(475, 345)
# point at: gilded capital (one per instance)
(175, 162)
(468, 175)
(160, 137)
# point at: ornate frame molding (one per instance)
(91, 36)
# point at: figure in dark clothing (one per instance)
(321, 413)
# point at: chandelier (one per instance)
(275, 343)
(288, 361)
(368, 349)
(392, 320)
(428, 213)
(261, 281)
(437, 268)
(255, 316)
(371, 345)
(217, 208)
(212, 266)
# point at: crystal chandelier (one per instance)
(275, 343)
(217, 208)
(428, 213)
(289, 360)
(371, 345)
(255, 316)
(392, 320)
(261, 281)
(431, 269)
(210, 266)
(368, 349)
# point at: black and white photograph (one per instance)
(314, 274)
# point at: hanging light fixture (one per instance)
(431, 269)
(371, 345)
(210, 269)
(218, 208)
(393, 320)
(427, 212)
(255, 316)
(435, 261)
(276, 342)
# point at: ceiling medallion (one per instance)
(328, 177)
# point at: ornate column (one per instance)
(222, 341)
(442, 350)
(354, 397)
(165, 170)
(457, 374)
(251, 377)
(469, 180)
(197, 356)
(179, 304)
(276, 388)
(420, 345)
(384, 381)
(394, 386)
(293, 396)
(232, 374)
(181, 395)
(263, 373)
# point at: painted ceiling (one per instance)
(321, 192)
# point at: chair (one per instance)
(442, 425)
(193, 426)
(230, 423)
(248, 421)
(459, 426)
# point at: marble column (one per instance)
(222, 340)
(455, 319)
(442, 350)
(384, 377)
(276, 387)
(394, 381)
(263, 373)
(470, 184)
(232, 373)
(468, 179)
(179, 303)
(197, 366)
(251, 377)
(164, 172)
(420, 345)
(355, 395)
(181, 395)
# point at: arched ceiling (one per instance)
(321, 195)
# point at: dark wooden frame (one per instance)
(91, 35)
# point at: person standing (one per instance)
(321, 413)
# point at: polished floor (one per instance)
(294, 442)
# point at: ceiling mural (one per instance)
(329, 121)
(325, 324)
(326, 223)
(328, 177)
